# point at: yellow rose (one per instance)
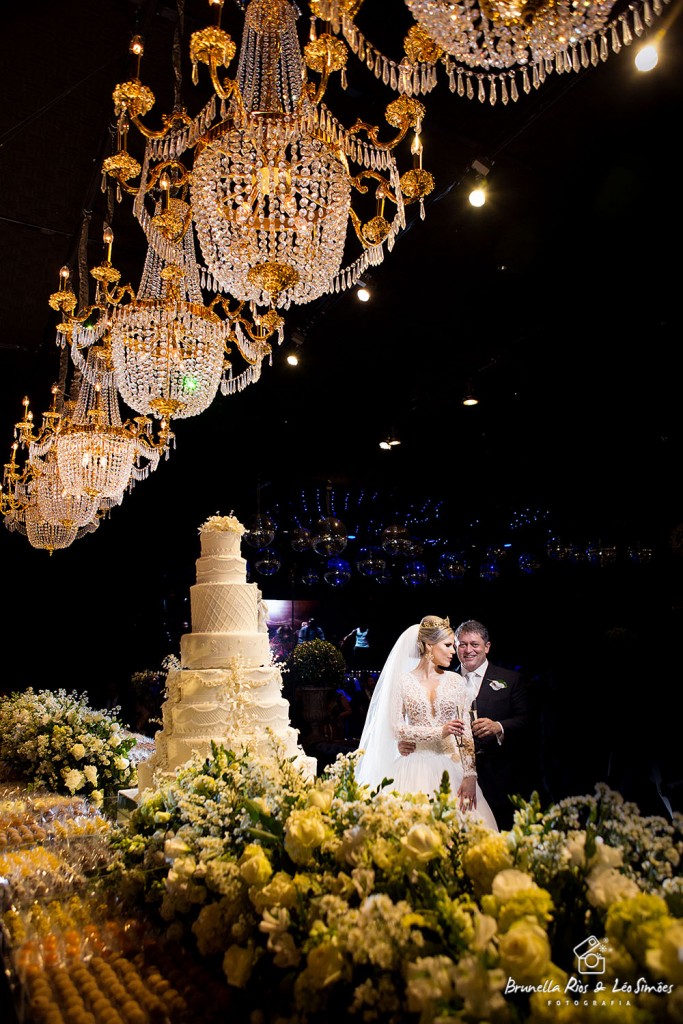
(304, 833)
(321, 798)
(525, 953)
(255, 868)
(325, 965)
(238, 963)
(279, 892)
(483, 861)
(422, 844)
(667, 960)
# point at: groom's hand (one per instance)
(406, 746)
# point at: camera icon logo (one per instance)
(589, 956)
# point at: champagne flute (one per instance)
(459, 713)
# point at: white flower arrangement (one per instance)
(222, 524)
(498, 684)
(326, 902)
(55, 740)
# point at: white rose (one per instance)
(78, 751)
(607, 885)
(175, 847)
(576, 849)
(509, 882)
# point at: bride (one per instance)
(418, 700)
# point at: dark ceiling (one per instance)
(558, 302)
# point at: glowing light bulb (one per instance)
(647, 58)
(477, 196)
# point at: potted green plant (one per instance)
(316, 669)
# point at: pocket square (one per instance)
(498, 684)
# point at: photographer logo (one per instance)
(589, 958)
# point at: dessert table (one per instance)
(71, 953)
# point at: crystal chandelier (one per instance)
(270, 188)
(97, 455)
(25, 513)
(503, 33)
(50, 536)
(53, 502)
(493, 50)
(168, 349)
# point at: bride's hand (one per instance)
(453, 727)
(468, 794)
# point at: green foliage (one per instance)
(317, 663)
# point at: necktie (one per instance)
(473, 684)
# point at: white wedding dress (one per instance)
(414, 717)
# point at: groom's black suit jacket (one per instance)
(502, 767)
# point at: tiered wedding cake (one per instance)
(227, 688)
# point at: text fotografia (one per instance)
(574, 986)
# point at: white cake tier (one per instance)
(213, 719)
(221, 569)
(220, 542)
(209, 684)
(219, 650)
(224, 607)
(179, 749)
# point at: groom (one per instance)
(502, 726)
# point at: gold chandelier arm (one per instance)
(257, 354)
(270, 322)
(178, 119)
(220, 300)
(316, 92)
(372, 132)
(224, 90)
(131, 190)
(184, 176)
(114, 296)
(383, 190)
(13, 496)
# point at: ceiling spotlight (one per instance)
(469, 398)
(362, 292)
(389, 442)
(481, 168)
(293, 359)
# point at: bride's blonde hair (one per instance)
(432, 629)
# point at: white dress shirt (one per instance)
(475, 679)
